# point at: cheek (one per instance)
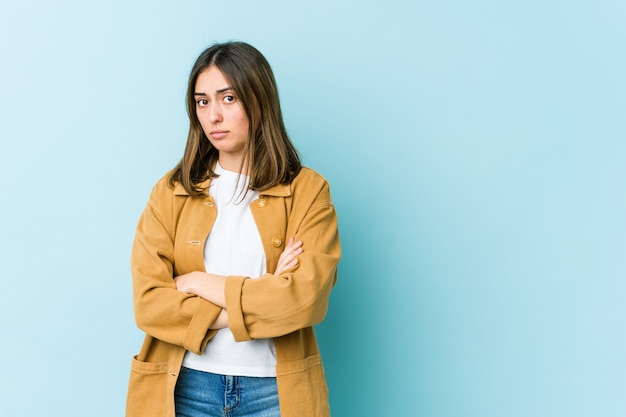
(244, 120)
(202, 121)
(245, 126)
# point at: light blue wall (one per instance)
(476, 157)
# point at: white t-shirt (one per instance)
(234, 247)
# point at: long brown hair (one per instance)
(269, 156)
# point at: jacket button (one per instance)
(277, 242)
(208, 203)
(262, 202)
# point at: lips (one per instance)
(218, 134)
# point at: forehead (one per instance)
(210, 80)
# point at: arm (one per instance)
(160, 310)
(211, 286)
(222, 321)
(276, 305)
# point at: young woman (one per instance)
(234, 259)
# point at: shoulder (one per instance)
(167, 188)
(163, 187)
(308, 177)
(310, 183)
(164, 191)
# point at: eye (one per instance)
(229, 99)
(202, 102)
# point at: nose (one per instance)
(215, 113)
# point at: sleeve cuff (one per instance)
(236, 323)
(198, 333)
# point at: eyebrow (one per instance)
(221, 90)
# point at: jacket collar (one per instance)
(280, 190)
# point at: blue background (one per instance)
(475, 152)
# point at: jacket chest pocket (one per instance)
(191, 234)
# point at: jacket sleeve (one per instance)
(276, 305)
(160, 309)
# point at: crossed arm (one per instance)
(211, 286)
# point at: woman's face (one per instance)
(222, 117)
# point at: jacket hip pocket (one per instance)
(150, 390)
(302, 389)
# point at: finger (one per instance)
(290, 255)
(287, 252)
(287, 266)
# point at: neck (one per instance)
(232, 164)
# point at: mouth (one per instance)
(218, 134)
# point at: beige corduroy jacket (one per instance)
(170, 241)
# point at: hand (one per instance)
(289, 257)
(186, 282)
(208, 286)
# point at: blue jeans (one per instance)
(203, 394)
